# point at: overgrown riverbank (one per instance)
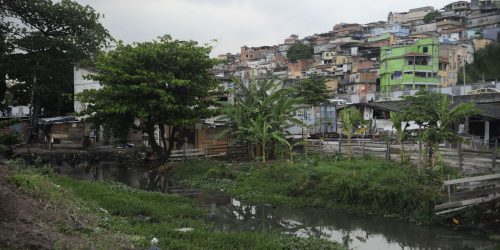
(365, 186)
(105, 215)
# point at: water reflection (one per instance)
(228, 214)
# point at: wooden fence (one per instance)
(212, 151)
(469, 161)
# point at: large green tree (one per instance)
(432, 16)
(486, 65)
(299, 51)
(162, 82)
(47, 38)
(313, 90)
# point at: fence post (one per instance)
(449, 190)
(184, 150)
(321, 150)
(388, 148)
(494, 156)
(460, 156)
(363, 146)
(340, 142)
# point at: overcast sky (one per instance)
(235, 23)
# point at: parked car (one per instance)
(483, 91)
(339, 102)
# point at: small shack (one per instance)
(65, 132)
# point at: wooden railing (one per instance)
(470, 191)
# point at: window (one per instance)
(426, 49)
(396, 75)
(421, 74)
(418, 61)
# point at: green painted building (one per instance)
(409, 66)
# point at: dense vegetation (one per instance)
(299, 51)
(367, 186)
(128, 216)
(486, 65)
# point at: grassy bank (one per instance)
(130, 217)
(367, 186)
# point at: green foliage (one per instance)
(149, 214)
(486, 64)
(313, 90)
(373, 186)
(352, 123)
(431, 16)
(127, 215)
(161, 82)
(436, 116)
(260, 116)
(299, 51)
(44, 39)
(401, 133)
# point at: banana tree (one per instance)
(401, 133)
(261, 115)
(352, 123)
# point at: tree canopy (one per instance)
(162, 82)
(41, 41)
(431, 16)
(300, 51)
(313, 90)
(486, 64)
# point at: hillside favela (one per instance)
(188, 124)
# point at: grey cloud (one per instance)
(239, 22)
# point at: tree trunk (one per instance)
(162, 138)
(171, 141)
(157, 150)
(430, 150)
(263, 152)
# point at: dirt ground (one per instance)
(27, 223)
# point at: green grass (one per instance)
(138, 216)
(364, 186)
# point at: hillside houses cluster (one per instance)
(407, 51)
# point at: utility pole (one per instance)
(464, 73)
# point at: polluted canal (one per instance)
(229, 214)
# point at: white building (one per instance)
(81, 83)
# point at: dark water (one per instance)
(229, 214)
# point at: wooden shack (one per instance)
(65, 133)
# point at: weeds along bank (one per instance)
(108, 215)
(363, 186)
